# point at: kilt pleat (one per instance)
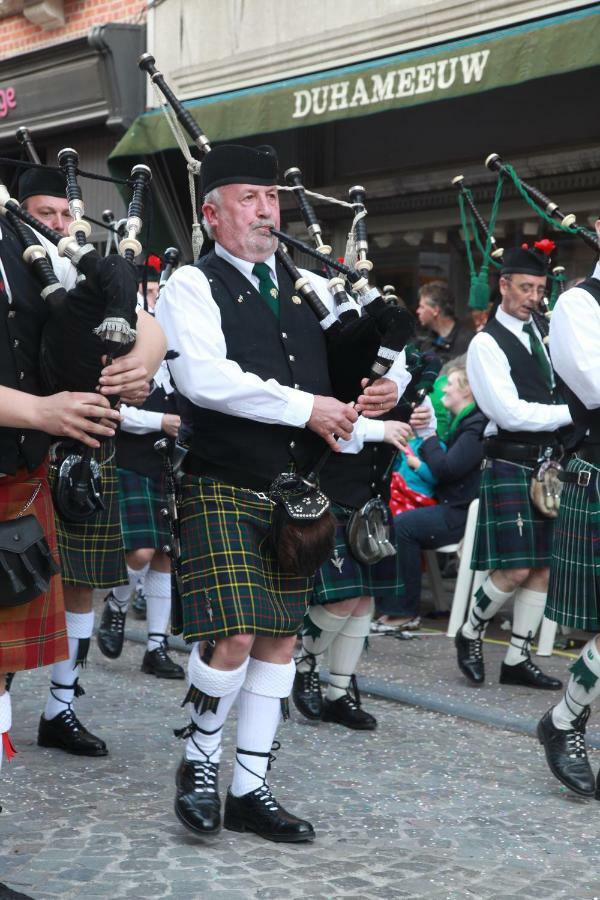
(140, 502)
(33, 634)
(574, 589)
(231, 581)
(511, 533)
(342, 577)
(92, 553)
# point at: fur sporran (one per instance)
(368, 532)
(302, 533)
(545, 488)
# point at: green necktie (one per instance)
(539, 354)
(266, 288)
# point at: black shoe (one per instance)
(66, 732)
(197, 803)
(306, 692)
(7, 893)
(346, 710)
(158, 662)
(260, 812)
(470, 657)
(527, 673)
(111, 632)
(138, 603)
(566, 754)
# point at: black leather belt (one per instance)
(495, 449)
(582, 478)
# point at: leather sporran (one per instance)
(302, 533)
(368, 532)
(26, 563)
(77, 500)
(545, 488)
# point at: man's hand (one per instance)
(170, 424)
(329, 417)
(126, 377)
(397, 433)
(378, 398)
(70, 415)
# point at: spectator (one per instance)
(446, 336)
(456, 468)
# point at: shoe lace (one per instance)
(310, 680)
(264, 794)
(475, 650)
(352, 696)
(205, 775)
(163, 645)
(116, 620)
(71, 721)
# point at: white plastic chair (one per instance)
(440, 601)
(467, 581)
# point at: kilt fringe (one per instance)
(200, 701)
(285, 708)
(83, 648)
(309, 628)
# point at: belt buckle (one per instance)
(583, 477)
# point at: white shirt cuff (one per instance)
(299, 407)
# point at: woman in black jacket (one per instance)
(456, 466)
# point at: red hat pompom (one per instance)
(545, 245)
(524, 246)
(153, 262)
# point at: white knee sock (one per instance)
(259, 714)
(5, 726)
(157, 588)
(213, 685)
(488, 600)
(528, 613)
(344, 653)
(119, 601)
(582, 689)
(66, 673)
(321, 627)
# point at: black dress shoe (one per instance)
(527, 674)
(306, 693)
(158, 662)
(66, 732)
(7, 893)
(470, 657)
(111, 632)
(566, 754)
(347, 711)
(197, 803)
(260, 812)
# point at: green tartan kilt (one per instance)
(511, 533)
(574, 589)
(231, 580)
(342, 577)
(141, 500)
(92, 553)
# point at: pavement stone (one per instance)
(429, 806)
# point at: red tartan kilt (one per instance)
(33, 634)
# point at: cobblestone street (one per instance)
(431, 806)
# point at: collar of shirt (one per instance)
(596, 272)
(245, 267)
(511, 322)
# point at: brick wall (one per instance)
(18, 35)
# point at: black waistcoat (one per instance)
(291, 350)
(136, 451)
(587, 421)
(21, 324)
(351, 479)
(527, 378)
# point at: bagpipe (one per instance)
(480, 234)
(95, 319)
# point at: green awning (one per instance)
(497, 59)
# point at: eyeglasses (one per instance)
(526, 288)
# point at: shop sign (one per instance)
(8, 101)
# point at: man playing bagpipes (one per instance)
(127, 377)
(574, 589)
(33, 633)
(513, 383)
(253, 364)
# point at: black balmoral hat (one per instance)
(525, 261)
(234, 164)
(47, 182)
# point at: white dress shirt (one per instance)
(191, 321)
(575, 342)
(488, 371)
(144, 421)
